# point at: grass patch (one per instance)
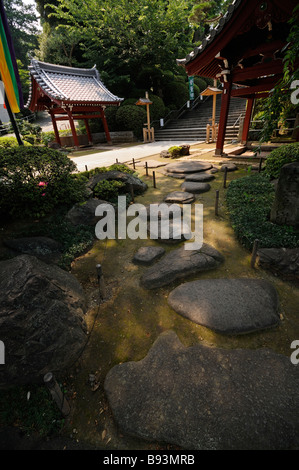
(31, 409)
(249, 202)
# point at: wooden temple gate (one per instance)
(245, 52)
(70, 94)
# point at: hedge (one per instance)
(281, 156)
(249, 202)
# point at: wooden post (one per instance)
(13, 121)
(247, 119)
(148, 119)
(106, 129)
(88, 131)
(146, 169)
(56, 132)
(260, 165)
(254, 252)
(225, 100)
(57, 394)
(217, 202)
(154, 179)
(133, 163)
(73, 129)
(225, 177)
(86, 169)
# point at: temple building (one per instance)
(69, 94)
(245, 52)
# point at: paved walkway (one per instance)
(123, 155)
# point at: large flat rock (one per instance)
(228, 306)
(42, 320)
(195, 187)
(204, 398)
(148, 254)
(180, 197)
(200, 177)
(187, 167)
(180, 263)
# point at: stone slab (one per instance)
(180, 197)
(179, 264)
(146, 255)
(228, 306)
(204, 398)
(200, 177)
(194, 187)
(187, 166)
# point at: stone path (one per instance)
(148, 254)
(194, 187)
(227, 306)
(205, 398)
(180, 197)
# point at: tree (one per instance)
(279, 106)
(122, 36)
(22, 21)
(206, 13)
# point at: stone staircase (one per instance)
(192, 124)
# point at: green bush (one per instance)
(36, 180)
(281, 156)
(131, 118)
(10, 142)
(109, 190)
(201, 83)
(29, 138)
(249, 201)
(175, 151)
(176, 93)
(47, 137)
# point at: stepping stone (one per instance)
(199, 177)
(179, 176)
(169, 214)
(166, 231)
(205, 398)
(194, 187)
(213, 170)
(187, 167)
(148, 254)
(229, 166)
(227, 306)
(180, 263)
(180, 197)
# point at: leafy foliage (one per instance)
(35, 180)
(249, 201)
(38, 414)
(9, 142)
(131, 118)
(108, 190)
(281, 156)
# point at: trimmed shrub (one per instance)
(36, 180)
(176, 93)
(281, 156)
(175, 151)
(108, 190)
(201, 83)
(10, 142)
(47, 137)
(131, 118)
(249, 201)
